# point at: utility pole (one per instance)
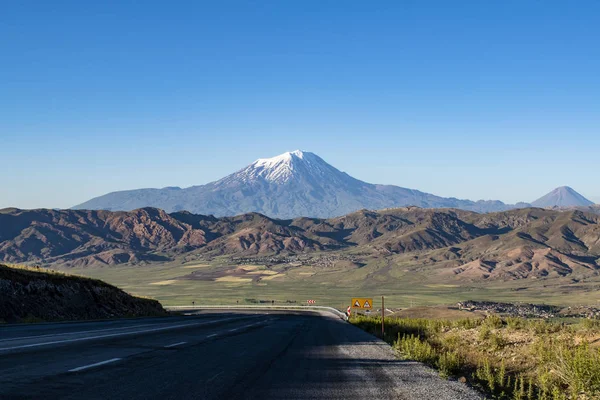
(382, 318)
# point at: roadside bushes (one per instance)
(449, 363)
(575, 368)
(512, 358)
(413, 348)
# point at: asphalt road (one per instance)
(232, 355)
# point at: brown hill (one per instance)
(93, 237)
(516, 244)
(32, 295)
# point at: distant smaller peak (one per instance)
(563, 196)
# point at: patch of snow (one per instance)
(277, 169)
(290, 166)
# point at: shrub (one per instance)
(484, 333)
(467, 323)
(451, 341)
(485, 373)
(540, 327)
(413, 348)
(493, 321)
(515, 323)
(449, 363)
(591, 324)
(578, 369)
(497, 341)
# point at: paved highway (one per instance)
(229, 355)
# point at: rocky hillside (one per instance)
(31, 295)
(93, 237)
(512, 244)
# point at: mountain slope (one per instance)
(93, 237)
(462, 245)
(290, 185)
(563, 196)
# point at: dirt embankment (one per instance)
(30, 295)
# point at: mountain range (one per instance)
(513, 244)
(297, 184)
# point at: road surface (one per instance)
(229, 355)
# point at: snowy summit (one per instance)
(286, 167)
(276, 169)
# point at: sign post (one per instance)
(382, 318)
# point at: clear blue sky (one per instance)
(471, 99)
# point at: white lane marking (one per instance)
(76, 333)
(115, 334)
(112, 360)
(241, 327)
(175, 344)
(214, 377)
(92, 331)
(234, 329)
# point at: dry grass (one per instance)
(437, 312)
(167, 282)
(265, 272)
(440, 285)
(510, 358)
(248, 268)
(196, 266)
(48, 272)
(34, 268)
(233, 279)
(272, 277)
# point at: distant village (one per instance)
(323, 261)
(530, 310)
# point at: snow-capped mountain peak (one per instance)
(282, 159)
(284, 168)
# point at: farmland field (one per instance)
(220, 282)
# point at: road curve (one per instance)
(234, 355)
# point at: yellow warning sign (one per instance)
(364, 303)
